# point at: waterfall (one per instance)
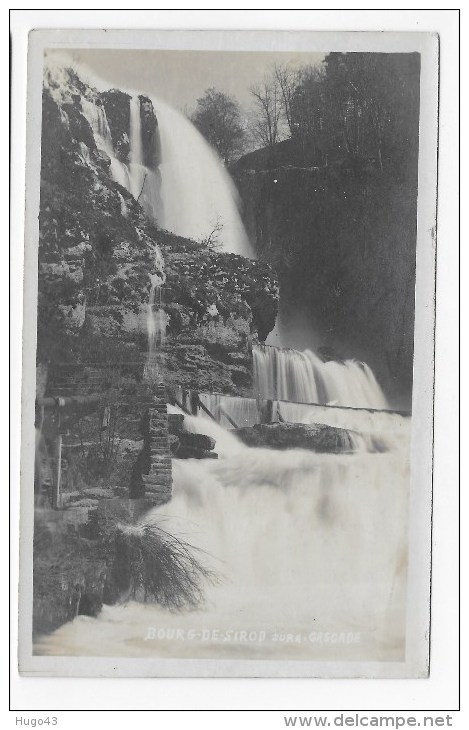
(156, 329)
(198, 195)
(302, 377)
(191, 194)
(97, 119)
(136, 147)
(138, 171)
(303, 543)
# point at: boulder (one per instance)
(314, 437)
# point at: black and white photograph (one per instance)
(229, 440)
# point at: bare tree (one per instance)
(268, 109)
(212, 239)
(287, 79)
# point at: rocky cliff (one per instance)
(98, 249)
(216, 305)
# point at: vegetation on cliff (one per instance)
(97, 255)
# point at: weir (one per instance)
(83, 387)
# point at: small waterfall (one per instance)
(226, 443)
(124, 208)
(138, 171)
(96, 116)
(136, 147)
(230, 410)
(372, 431)
(302, 377)
(142, 183)
(97, 119)
(156, 318)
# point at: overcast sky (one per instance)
(180, 77)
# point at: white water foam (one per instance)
(306, 544)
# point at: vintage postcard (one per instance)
(229, 275)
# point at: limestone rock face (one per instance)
(117, 106)
(96, 247)
(99, 249)
(150, 136)
(314, 437)
(217, 304)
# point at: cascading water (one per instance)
(136, 146)
(197, 193)
(96, 116)
(156, 324)
(302, 377)
(305, 544)
(191, 194)
(230, 411)
(144, 181)
(155, 318)
(370, 430)
(189, 171)
(140, 182)
(138, 171)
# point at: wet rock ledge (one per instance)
(314, 437)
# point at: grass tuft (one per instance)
(159, 567)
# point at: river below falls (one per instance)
(310, 550)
